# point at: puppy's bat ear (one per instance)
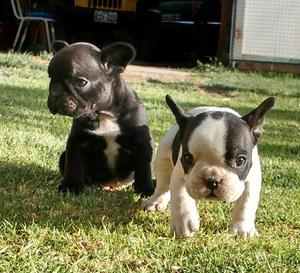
(58, 45)
(178, 112)
(255, 118)
(117, 56)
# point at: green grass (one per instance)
(43, 231)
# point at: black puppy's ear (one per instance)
(58, 45)
(255, 118)
(118, 55)
(178, 112)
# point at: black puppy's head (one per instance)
(82, 76)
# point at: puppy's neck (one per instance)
(108, 125)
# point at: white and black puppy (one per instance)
(211, 154)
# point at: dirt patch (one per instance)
(42, 59)
(144, 73)
(215, 90)
(138, 73)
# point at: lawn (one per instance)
(43, 231)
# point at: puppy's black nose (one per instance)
(212, 184)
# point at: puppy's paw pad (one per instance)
(243, 231)
(186, 227)
(193, 226)
(154, 205)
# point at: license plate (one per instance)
(108, 17)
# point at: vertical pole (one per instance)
(225, 30)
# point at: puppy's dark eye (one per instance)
(80, 82)
(187, 161)
(188, 158)
(240, 161)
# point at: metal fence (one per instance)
(266, 31)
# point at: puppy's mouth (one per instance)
(212, 196)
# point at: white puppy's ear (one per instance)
(58, 45)
(180, 115)
(117, 56)
(255, 118)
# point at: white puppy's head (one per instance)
(215, 149)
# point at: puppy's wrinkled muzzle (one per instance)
(64, 105)
(213, 183)
(69, 106)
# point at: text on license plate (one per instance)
(109, 17)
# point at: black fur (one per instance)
(238, 143)
(182, 138)
(84, 160)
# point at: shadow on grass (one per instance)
(31, 98)
(224, 89)
(28, 107)
(22, 103)
(180, 86)
(29, 194)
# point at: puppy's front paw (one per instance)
(157, 202)
(144, 190)
(243, 230)
(184, 224)
(75, 188)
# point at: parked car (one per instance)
(105, 21)
(161, 30)
(189, 29)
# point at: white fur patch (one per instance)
(109, 129)
(207, 141)
(184, 214)
(111, 151)
(108, 126)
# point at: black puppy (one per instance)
(109, 142)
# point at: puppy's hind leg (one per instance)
(161, 197)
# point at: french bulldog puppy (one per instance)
(109, 143)
(211, 154)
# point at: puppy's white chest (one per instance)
(111, 150)
(109, 129)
